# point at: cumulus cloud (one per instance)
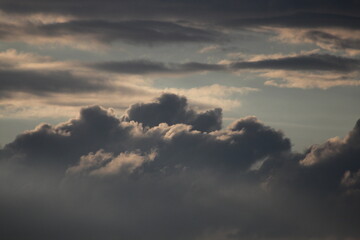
(101, 177)
(104, 164)
(167, 169)
(334, 147)
(170, 127)
(172, 109)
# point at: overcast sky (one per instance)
(191, 120)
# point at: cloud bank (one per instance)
(302, 70)
(158, 176)
(159, 22)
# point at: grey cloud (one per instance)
(311, 62)
(324, 169)
(299, 20)
(198, 184)
(334, 149)
(333, 41)
(98, 129)
(158, 21)
(260, 12)
(42, 83)
(148, 67)
(48, 82)
(134, 31)
(133, 67)
(172, 109)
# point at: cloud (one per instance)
(158, 22)
(345, 41)
(147, 32)
(299, 62)
(172, 109)
(55, 105)
(40, 75)
(53, 82)
(55, 87)
(49, 80)
(305, 71)
(334, 148)
(98, 128)
(312, 62)
(300, 70)
(151, 67)
(98, 176)
(306, 80)
(131, 31)
(333, 41)
(105, 164)
(32, 85)
(299, 20)
(316, 13)
(172, 125)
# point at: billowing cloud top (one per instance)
(172, 109)
(153, 174)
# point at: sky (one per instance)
(178, 119)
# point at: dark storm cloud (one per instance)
(312, 62)
(172, 109)
(99, 177)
